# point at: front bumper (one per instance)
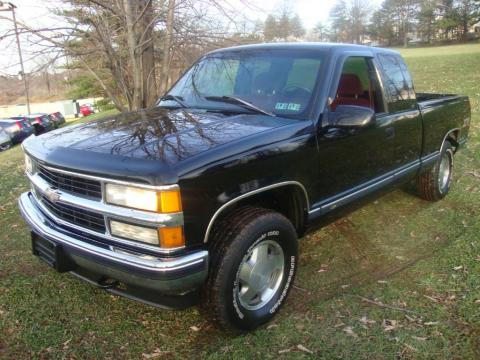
(145, 278)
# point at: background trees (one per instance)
(399, 22)
(131, 51)
(284, 25)
(135, 49)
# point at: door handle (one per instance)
(390, 132)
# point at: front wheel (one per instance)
(253, 264)
(435, 184)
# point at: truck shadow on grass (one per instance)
(367, 243)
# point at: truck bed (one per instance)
(442, 113)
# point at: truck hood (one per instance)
(155, 145)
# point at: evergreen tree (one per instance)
(339, 22)
(382, 26)
(270, 28)
(468, 14)
(319, 32)
(448, 19)
(284, 25)
(426, 19)
(296, 28)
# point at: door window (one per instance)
(359, 85)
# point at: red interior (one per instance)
(350, 92)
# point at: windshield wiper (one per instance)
(176, 98)
(237, 101)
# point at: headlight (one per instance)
(165, 237)
(28, 164)
(167, 201)
(134, 232)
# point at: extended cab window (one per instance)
(277, 81)
(359, 85)
(398, 83)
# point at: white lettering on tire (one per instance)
(287, 286)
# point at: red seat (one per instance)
(349, 92)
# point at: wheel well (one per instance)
(288, 200)
(452, 137)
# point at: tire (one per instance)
(249, 243)
(435, 184)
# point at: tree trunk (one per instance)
(465, 25)
(132, 40)
(405, 33)
(148, 59)
(47, 83)
(166, 46)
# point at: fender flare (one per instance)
(249, 194)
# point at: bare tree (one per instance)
(134, 49)
(167, 44)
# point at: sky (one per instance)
(38, 13)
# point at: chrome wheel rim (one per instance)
(260, 274)
(444, 171)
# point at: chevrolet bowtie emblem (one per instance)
(52, 194)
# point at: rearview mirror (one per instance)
(351, 116)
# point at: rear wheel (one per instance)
(435, 184)
(253, 263)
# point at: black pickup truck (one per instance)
(201, 199)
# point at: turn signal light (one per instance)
(171, 237)
(169, 201)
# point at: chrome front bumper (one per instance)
(167, 275)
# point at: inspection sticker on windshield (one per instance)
(288, 106)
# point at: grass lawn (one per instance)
(398, 278)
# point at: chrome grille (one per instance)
(76, 216)
(71, 183)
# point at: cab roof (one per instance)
(312, 46)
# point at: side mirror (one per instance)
(351, 116)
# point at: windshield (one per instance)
(275, 81)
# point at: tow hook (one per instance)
(107, 283)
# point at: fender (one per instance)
(249, 194)
(446, 137)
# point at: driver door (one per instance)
(351, 159)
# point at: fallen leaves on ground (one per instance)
(156, 353)
(390, 325)
(419, 338)
(349, 331)
(366, 321)
(474, 174)
(304, 349)
(410, 347)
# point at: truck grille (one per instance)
(76, 216)
(71, 183)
